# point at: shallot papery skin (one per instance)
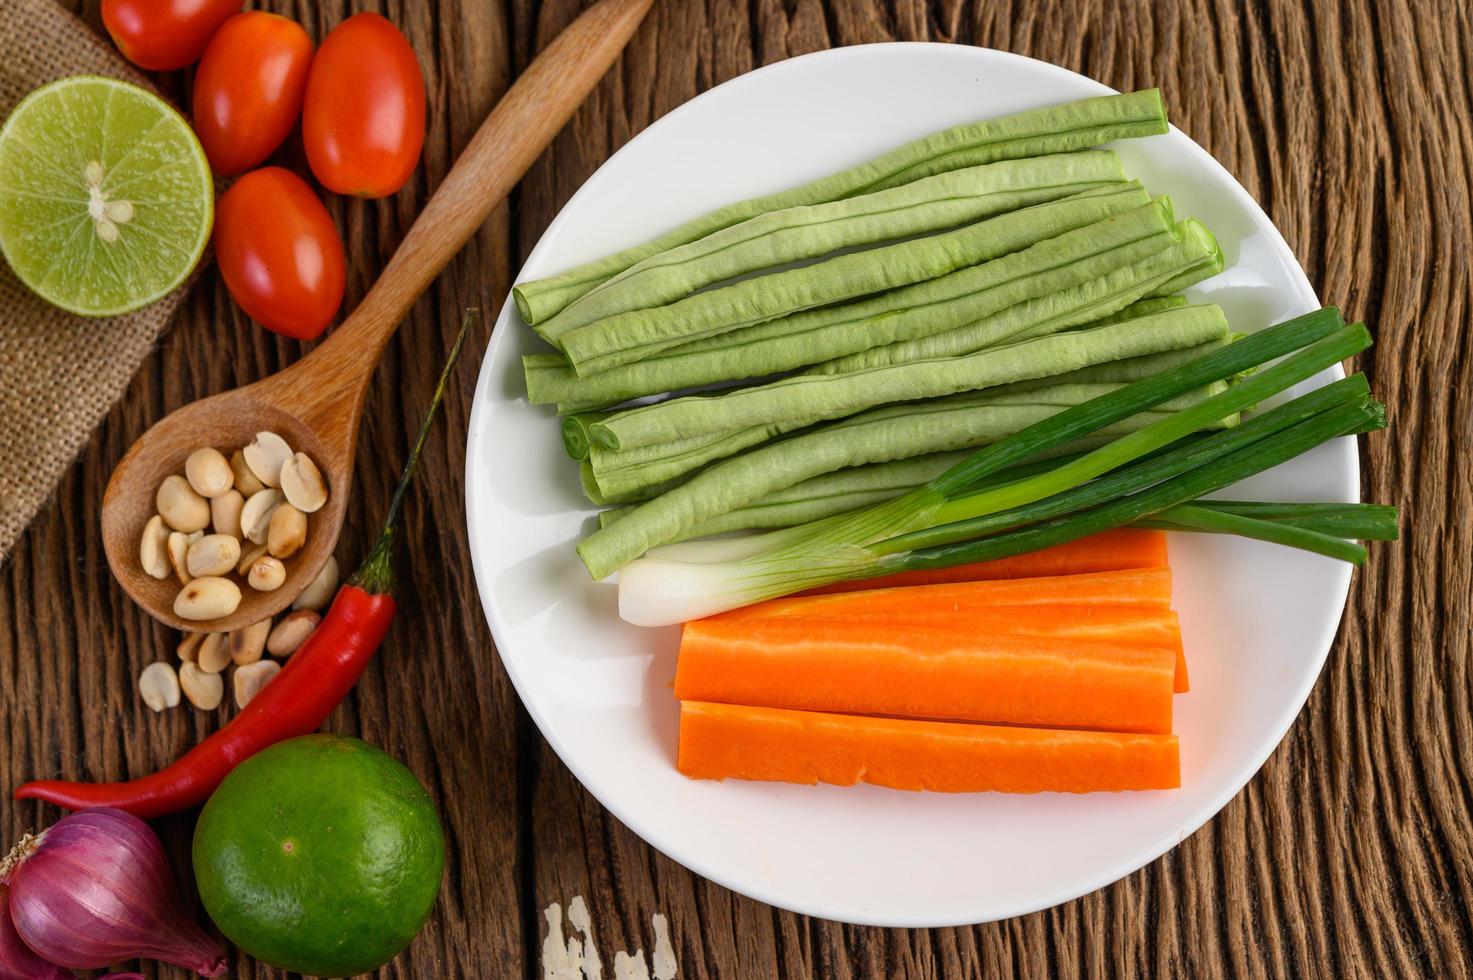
(96, 889)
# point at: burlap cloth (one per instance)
(59, 373)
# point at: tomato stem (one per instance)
(376, 574)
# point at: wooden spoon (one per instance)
(316, 403)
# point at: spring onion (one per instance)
(989, 416)
(749, 477)
(1363, 522)
(658, 592)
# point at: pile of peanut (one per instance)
(205, 657)
(254, 505)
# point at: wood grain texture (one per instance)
(1349, 855)
(316, 402)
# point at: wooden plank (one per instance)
(1347, 856)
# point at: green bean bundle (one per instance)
(1053, 129)
(776, 238)
(1047, 311)
(860, 486)
(1049, 130)
(1047, 237)
(893, 432)
(806, 399)
(631, 336)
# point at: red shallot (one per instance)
(95, 889)
(17, 962)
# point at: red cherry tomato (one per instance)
(364, 120)
(248, 89)
(280, 253)
(162, 35)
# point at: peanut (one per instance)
(213, 554)
(251, 678)
(214, 653)
(158, 685)
(255, 516)
(248, 558)
(245, 481)
(324, 587)
(249, 642)
(208, 472)
(188, 649)
(266, 574)
(181, 508)
(225, 513)
(153, 551)
(204, 691)
(265, 456)
(287, 531)
(293, 630)
(303, 484)
(207, 598)
(178, 546)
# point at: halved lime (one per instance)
(106, 198)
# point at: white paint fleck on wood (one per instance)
(558, 960)
(593, 968)
(628, 967)
(576, 957)
(662, 960)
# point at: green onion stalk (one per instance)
(961, 516)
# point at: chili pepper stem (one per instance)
(376, 575)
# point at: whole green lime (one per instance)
(321, 854)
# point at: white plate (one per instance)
(1258, 620)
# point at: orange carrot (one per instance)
(719, 741)
(920, 672)
(1129, 607)
(1126, 547)
(1148, 587)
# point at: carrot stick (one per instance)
(919, 672)
(1132, 626)
(719, 741)
(1126, 547)
(1141, 587)
(1129, 607)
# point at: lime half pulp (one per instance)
(106, 198)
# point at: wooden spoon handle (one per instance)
(516, 132)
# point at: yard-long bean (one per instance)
(775, 238)
(638, 334)
(1051, 310)
(998, 413)
(806, 399)
(888, 434)
(1052, 129)
(1033, 240)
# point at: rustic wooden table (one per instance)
(1348, 855)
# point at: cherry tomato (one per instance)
(248, 89)
(162, 35)
(364, 120)
(280, 253)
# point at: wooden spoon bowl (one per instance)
(228, 422)
(316, 404)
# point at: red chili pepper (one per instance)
(313, 682)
